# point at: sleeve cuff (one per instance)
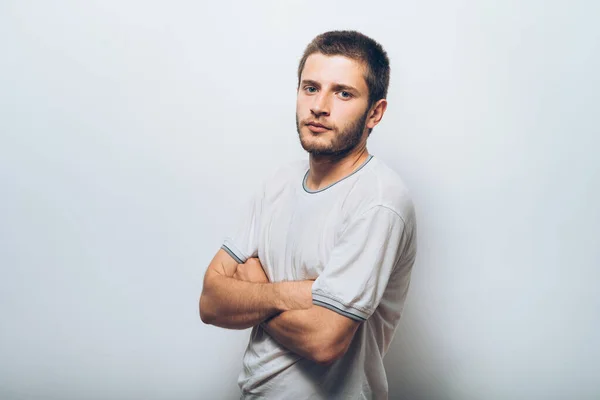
(233, 251)
(338, 307)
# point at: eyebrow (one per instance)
(336, 86)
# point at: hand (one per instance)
(251, 271)
(299, 297)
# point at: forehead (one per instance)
(335, 70)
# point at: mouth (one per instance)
(316, 127)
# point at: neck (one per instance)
(326, 170)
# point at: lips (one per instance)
(316, 127)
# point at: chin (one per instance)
(318, 150)
(314, 144)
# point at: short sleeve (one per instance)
(354, 280)
(243, 242)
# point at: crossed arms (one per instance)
(240, 296)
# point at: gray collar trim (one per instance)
(307, 190)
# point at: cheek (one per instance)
(344, 116)
(352, 113)
(301, 105)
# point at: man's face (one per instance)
(332, 105)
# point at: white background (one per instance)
(132, 131)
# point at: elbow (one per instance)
(329, 353)
(324, 360)
(206, 304)
(207, 315)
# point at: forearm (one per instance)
(303, 332)
(234, 304)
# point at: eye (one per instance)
(310, 89)
(345, 95)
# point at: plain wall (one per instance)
(132, 131)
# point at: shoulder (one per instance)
(382, 188)
(282, 176)
(289, 169)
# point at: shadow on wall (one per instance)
(415, 361)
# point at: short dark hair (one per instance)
(355, 45)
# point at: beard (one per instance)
(343, 141)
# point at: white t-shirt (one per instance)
(357, 238)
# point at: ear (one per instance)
(376, 113)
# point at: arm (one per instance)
(231, 303)
(351, 286)
(316, 333)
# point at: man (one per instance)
(321, 263)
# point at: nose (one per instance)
(320, 105)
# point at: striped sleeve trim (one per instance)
(339, 308)
(234, 252)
